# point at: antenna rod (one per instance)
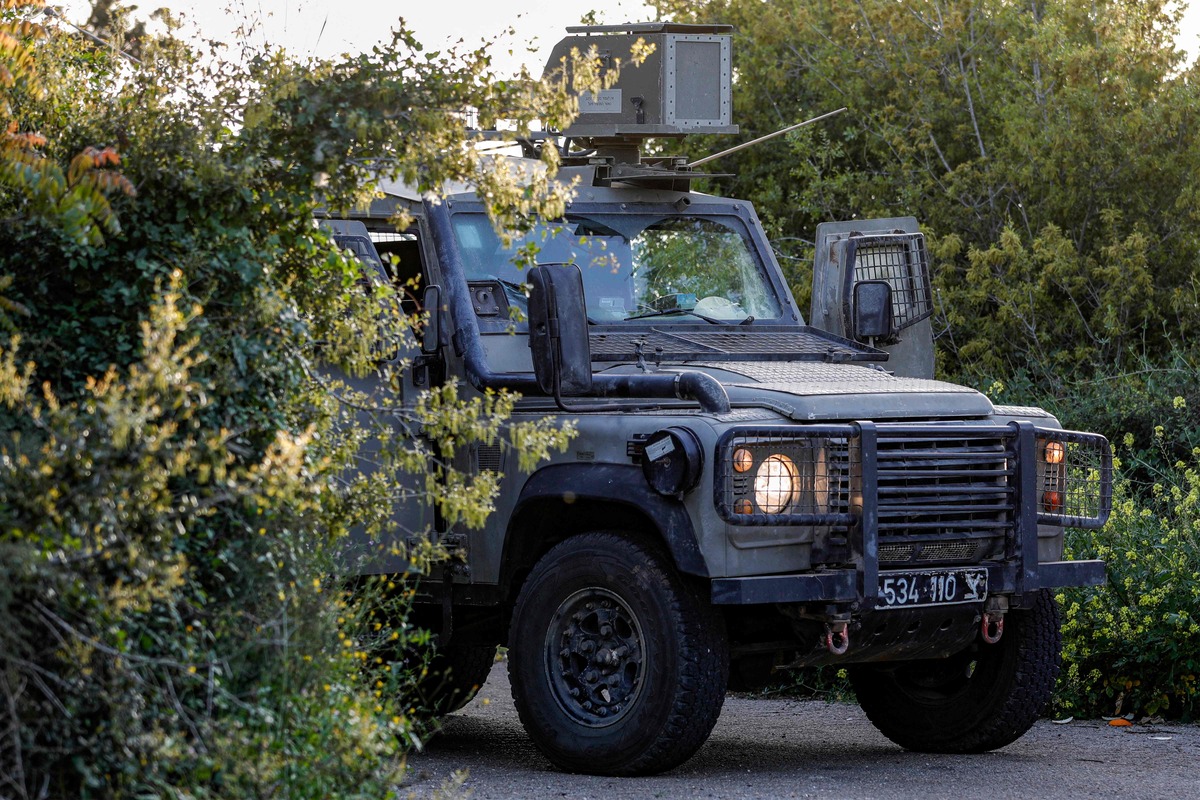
(752, 142)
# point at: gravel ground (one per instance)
(777, 748)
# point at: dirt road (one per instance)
(810, 749)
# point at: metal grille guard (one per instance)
(1087, 463)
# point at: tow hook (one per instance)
(837, 637)
(992, 626)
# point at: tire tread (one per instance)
(1006, 713)
(703, 661)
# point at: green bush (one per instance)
(173, 480)
(1157, 403)
(1133, 644)
(170, 625)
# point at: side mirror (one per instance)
(558, 330)
(873, 311)
(431, 337)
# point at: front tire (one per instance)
(618, 667)
(978, 700)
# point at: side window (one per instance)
(387, 258)
(401, 252)
(404, 257)
(361, 247)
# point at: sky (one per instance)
(330, 27)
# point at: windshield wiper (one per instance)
(710, 320)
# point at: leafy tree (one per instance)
(172, 479)
(113, 21)
(1047, 146)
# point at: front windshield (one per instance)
(635, 266)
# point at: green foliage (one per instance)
(1062, 310)
(1048, 148)
(174, 457)
(454, 423)
(165, 625)
(1134, 644)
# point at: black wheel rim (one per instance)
(595, 661)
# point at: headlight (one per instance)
(775, 484)
(1054, 452)
(797, 475)
(1052, 472)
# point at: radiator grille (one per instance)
(945, 484)
(934, 552)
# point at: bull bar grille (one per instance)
(931, 493)
(944, 484)
(1076, 491)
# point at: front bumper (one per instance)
(845, 585)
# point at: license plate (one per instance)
(935, 587)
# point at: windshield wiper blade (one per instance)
(710, 320)
(512, 288)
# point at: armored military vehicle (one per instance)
(750, 489)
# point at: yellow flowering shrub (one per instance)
(1133, 644)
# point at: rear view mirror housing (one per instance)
(558, 330)
(873, 311)
(431, 334)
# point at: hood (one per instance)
(813, 391)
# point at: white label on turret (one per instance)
(607, 101)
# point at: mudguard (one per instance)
(620, 484)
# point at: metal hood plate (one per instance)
(807, 391)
